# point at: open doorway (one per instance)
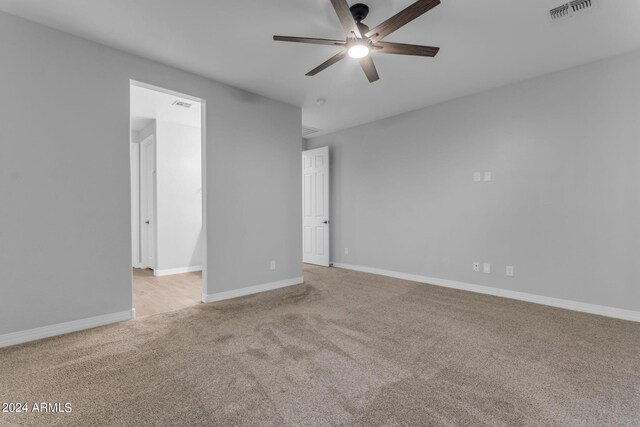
(167, 206)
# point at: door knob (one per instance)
(146, 222)
(326, 222)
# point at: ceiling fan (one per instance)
(362, 41)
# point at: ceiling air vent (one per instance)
(181, 104)
(571, 9)
(308, 131)
(580, 5)
(560, 12)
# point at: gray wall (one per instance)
(65, 225)
(564, 206)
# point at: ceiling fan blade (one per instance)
(327, 63)
(309, 40)
(369, 68)
(346, 19)
(400, 19)
(406, 49)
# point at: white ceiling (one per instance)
(484, 44)
(147, 105)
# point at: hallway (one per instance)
(153, 295)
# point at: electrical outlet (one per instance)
(487, 176)
(476, 266)
(509, 271)
(272, 265)
(486, 268)
(477, 177)
(346, 251)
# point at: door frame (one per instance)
(203, 155)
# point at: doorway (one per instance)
(315, 207)
(167, 199)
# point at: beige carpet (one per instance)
(344, 348)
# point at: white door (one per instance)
(135, 205)
(147, 203)
(315, 206)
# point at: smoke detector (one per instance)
(182, 104)
(571, 9)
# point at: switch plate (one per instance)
(487, 176)
(509, 271)
(346, 251)
(476, 266)
(486, 268)
(272, 265)
(477, 177)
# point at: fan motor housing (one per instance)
(363, 28)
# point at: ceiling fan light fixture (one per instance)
(359, 50)
(360, 39)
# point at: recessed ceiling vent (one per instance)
(181, 104)
(308, 131)
(573, 8)
(560, 12)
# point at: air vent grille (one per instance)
(580, 5)
(181, 104)
(308, 131)
(570, 9)
(560, 12)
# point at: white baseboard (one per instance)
(181, 270)
(20, 337)
(235, 293)
(601, 310)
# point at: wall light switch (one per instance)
(487, 176)
(509, 271)
(272, 265)
(346, 251)
(477, 177)
(476, 266)
(486, 268)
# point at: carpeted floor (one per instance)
(345, 348)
